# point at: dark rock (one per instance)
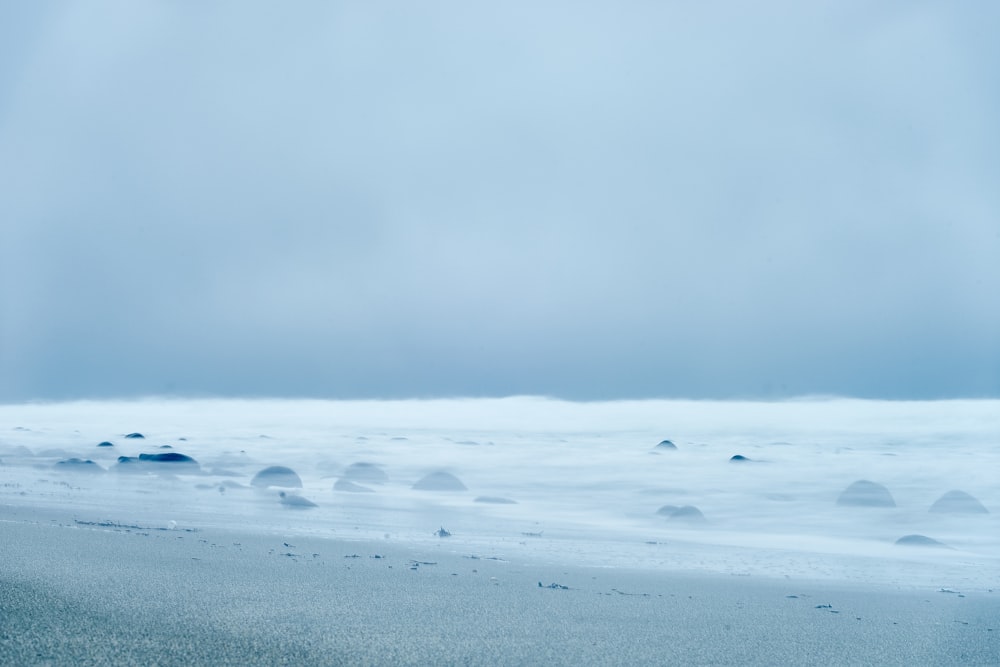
(78, 465)
(128, 464)
(665, 445)
(920, 541)
(168, 461)
(106, 444)
(958, 502)
(495, 500)
(276, 476)
(866, 494)
(350, 487)
(168, 457)
(739, 458)
(295, 502)
(135, 436)
(365, 472)
(439, 481)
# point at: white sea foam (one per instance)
(585, 477)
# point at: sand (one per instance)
(73, 591)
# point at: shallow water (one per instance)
(586, 478)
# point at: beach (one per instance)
(73, 592)
(515, 532)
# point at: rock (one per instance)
(365, 472)
(442, 532)
(128, 464)
(667, 510)
(958, 502)
(866, 494)
(175, 460)
(688, 514)
(439, 481)
(55, 453)
(295, 502)
(78, 465)
(920, 541)
(350, 487)
(739, 458)
(105, 444)
(276, 476)
(494, 500)
(665, 445)
(135, 436)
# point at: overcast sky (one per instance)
(585, 200)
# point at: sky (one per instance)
(574, 199)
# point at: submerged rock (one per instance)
(128, 464)
(494, 500)
(295, 502)
(105, 444)
(276, 476)
(920, 541)
(665, 445)
(365, 472)
(866, 494)
(687, 514)
(135, 436)
(78, 465)
(350, 487)
(667, 510)
(958, 502)
(439, 481)
(55, 453)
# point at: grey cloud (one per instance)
(576, 199)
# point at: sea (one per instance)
(893, 493)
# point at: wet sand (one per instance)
(73, 591)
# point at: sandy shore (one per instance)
(73, 591)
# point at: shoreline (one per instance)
(76, 593)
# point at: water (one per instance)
(586, 478)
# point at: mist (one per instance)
(574, 200)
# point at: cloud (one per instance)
(572, 199)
